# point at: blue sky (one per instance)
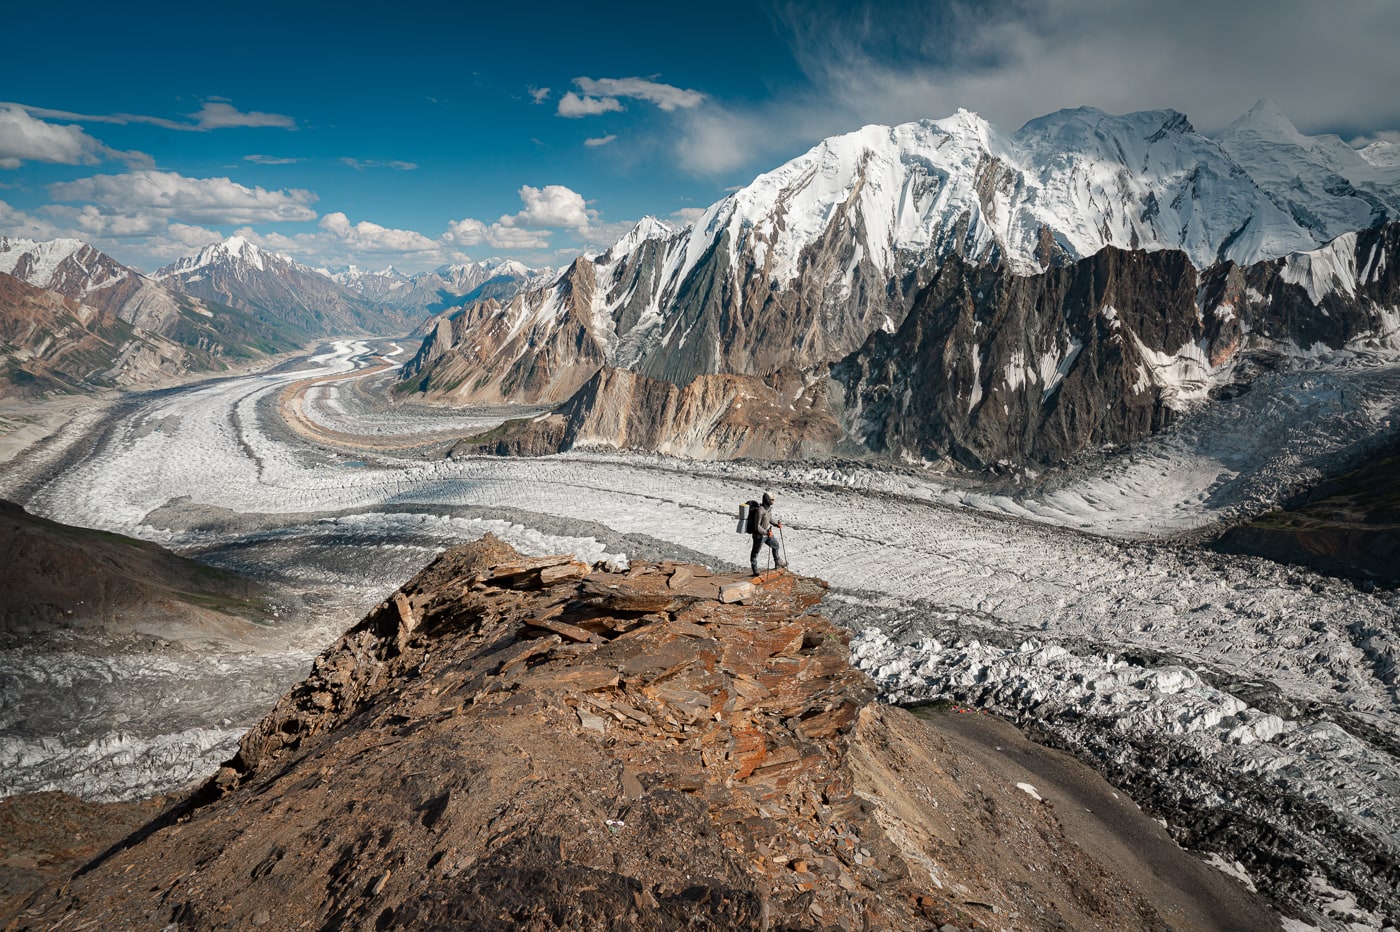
(416, 134)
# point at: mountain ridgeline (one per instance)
(73, 319)
(943, 289)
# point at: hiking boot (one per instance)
(754, 566)
(782, 564)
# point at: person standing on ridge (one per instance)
(761, 529)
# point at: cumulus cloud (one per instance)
(687, 215)
(220, 114)
(23, 138)
(16, 222)
(601, 95)
(371, 237)
(538, 94)
(554, 205)
(665, 96)
(168, 196)
(470, 232)
(597, 141)
(573, 105)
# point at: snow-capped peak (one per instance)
(1266, 120)
(646, 228)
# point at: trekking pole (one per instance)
(782, 540)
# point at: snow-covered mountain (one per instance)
(803, 266)
(448, 287)
(1325, 186)
(238, 273)
(79, 272)
(83, 273)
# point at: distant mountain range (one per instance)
(447, 287)
(812, 270)
(73, 318)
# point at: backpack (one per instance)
(751, 517)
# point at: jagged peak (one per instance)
(647, 228)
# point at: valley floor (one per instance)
(1251, 705)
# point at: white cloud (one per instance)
(665, 96)
(15, 222)
(168, 196)
(1387, 136)
(220, 114)
(270, 160)
(371, 237)
(604, 236)
(26, 139)
(470, 232)
(597, 141)
(1011, 61)
(572, 105)
(538, 94)
(554, 205)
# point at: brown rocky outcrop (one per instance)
(782, 416)
(514, 742)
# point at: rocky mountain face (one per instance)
(994, 368)
(551, 352)
(1016, 369)
(809, 259)
(783, 416)
(813, 262)
(296, 298)
(991, 368)
(514, 742)
(51, 343)
(76, 271)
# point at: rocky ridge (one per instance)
(515, 742)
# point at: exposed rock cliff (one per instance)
(992, 368)
(527, 743)
(715, 416)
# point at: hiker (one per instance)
(761, 526)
